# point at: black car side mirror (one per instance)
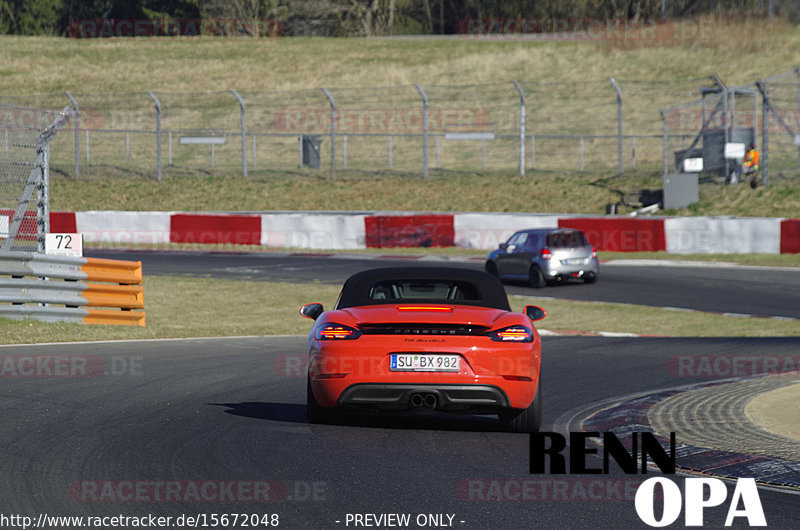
(503, 246)
(312, 311)
(535, 312)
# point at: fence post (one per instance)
(333, 130)
(797, 71)
(665, 144)
(619, 123)
(764, 133)
(521, 129)
(244, 133)
(158, 132)
(726, 131)
(77, 136)
(424, 131)
(43, 204)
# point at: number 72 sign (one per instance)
(64, 244)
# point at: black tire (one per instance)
(491, 268)
(591, 278)
(525, 420)
(536, 277)
(316, 413)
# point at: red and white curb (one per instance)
(358, 230)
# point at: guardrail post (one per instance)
(244, 132)
(332, 103)
(619, 123)
(158, 133)
(521, 128)
(424, 131)
(77, 136)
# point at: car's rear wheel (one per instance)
(590, 278)
(525, 420)
(491, 268)
(315, 413)
(536, 277)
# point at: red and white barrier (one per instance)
(487, 230)
(316, 231)
(346, 230)
(713, 235)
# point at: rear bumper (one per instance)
(557, 270)
(450, 398)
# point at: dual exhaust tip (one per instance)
(423, 401)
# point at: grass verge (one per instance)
(580, 193)
(209, 307)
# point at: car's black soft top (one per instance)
(488, 290)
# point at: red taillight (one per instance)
(546, 253)
(435, 309)
(512, 334)
(336, 332)
(594, 252)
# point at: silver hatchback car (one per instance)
(545, 255)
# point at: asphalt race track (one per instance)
(197, 427)
(193, 413)
(755, 291)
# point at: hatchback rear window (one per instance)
(566, 239)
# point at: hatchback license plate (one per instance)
(413, 362)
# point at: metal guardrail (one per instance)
(38, 282)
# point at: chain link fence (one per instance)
(781, 130)
(25, 136)
(606, 126)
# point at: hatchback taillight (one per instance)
(594, 252)
(545, 254)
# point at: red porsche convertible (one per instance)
(425, 339)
